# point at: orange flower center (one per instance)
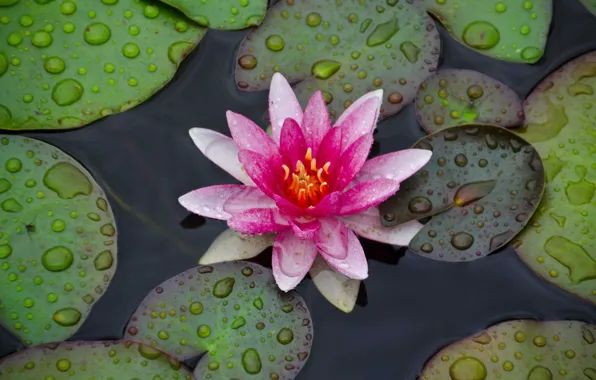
(307, 185)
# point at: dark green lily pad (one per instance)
(559, 243)
(522, 349)
(235, 314)
(92, 360)
(458, 97)
(64, 64)
(590, 4)
(223, 14)
(510, 30)
(343, 48)
(57, 241)
(481, 186)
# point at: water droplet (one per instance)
(41, 39)
(67, 317)
(383, 32)
(148, 352)
(483, 338)
(471, 192)
(247, 62)
(531, 53)
(258, 303)
(57, 259)
(224, 287)
(462, 241)
(540, 373)
(475, 92)
(410, 50)
(204, 331)
(467, 368)
(131, 50)
(65, 179)
(97, 34)
(67, 92)
(179, 50)
(251, 361)
(325, 69)
(275, 42)
(63, 365)
(313, 19)
(103, 261)
(238, 322)
(461, 160)
(420, 205)
(426, 248)
(539, 341)
(481, 35)
(151, 11)
(285, 336)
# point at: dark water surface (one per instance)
(412, 307)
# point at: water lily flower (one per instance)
(310, 184)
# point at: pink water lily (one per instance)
(309, 183)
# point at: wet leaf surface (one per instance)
(457, 97)
(232, 312)
(520, 349)
(510, 30)
(344, 49)
(481, 186)
(223, 14)
(64, 64)
(57, 241)
(95, 360)
(559, 242)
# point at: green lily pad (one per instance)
(481, 186)
(64, 64)
(223, 14)
(458, 97)
(510, 30)
(521, 349)
(57, 241)
(590, 4)
(343, 48)
(235, 314)
(559, 243)
(92, 360)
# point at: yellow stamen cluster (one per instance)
(307, 185)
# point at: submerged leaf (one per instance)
(339, 290)
(58, 241)
(559, 242)
(233, 311)
(481, 186)
(511, 30)
(344, 49)
(458, 97)
(64, 64)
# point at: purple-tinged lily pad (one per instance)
(223, 14)
(521, 349)
(343, 48)
(235, 314)
(92, 360)
(510, 30)
(57, 241)
(458, 97)
(64, 64)
(481, 186)
(559, 243)
(590, 4)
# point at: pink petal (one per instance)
(288, 207)
(360, 118)
(222, 150)
(258, 221)
(247, 199)
(315, 123)
(328, 206)
(350, 162)
(260, 171)
(330, 147)
(368, 225)
(292, 143)
(291, 260)
(209, 201)
(332, 238)
(366, 195)
(354, 106)
(354, 265)
(305, 229)
(282, 105)
(397, 166)
(250, 136)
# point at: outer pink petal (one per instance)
(250, 136)
(260, 171)
(366, 195)
(292, 143)
(306, 229)
(360, 118)
(332, 238)
(291, 260)
(328, 206)
(354, 106)
(222, 150)
(258, 221)
(368, 225)
(282, 105)
(209, 201)
(247, 199)
(350, 162)
(354, 265)
(397, 166)
(315, 123)
(330, 147)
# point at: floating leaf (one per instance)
(522, 349)
(511, 30)
(339, 290)
(234, 313)
(231, 245)
(92, 360)
(559, 242)
(64, 64)
(344, 48)
(481, 185)
(590, 4)
(458, 97)
(57, 241)
(223, 14)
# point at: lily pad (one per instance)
(458, 97)
(481, 186)
(92, 360)
(64, 64)
(559, 243)
(223, 14)
(510, 30)
(590, 4)
(520, 349)
(343, 48)
(57, 241)
(235, 314)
